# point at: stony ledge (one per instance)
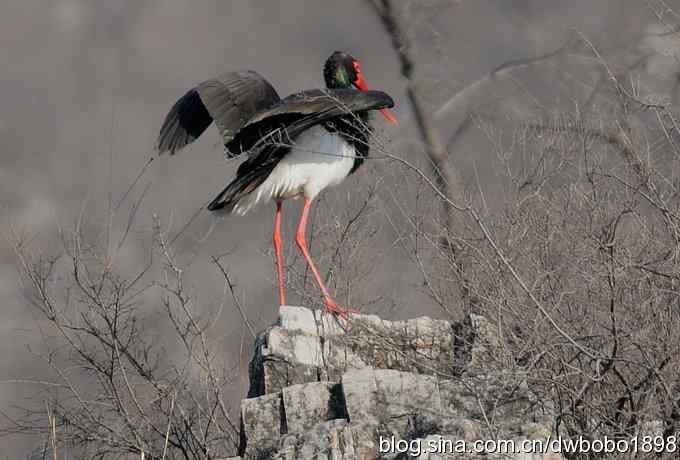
(322, 388)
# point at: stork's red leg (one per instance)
(302, 244)
(279, 253)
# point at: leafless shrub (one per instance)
(576, 259)
(115, 390)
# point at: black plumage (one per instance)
(229, 101)
(268, 136)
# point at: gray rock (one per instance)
(478, 346)
(310, 403)
(307, 346)
(323, 388)
(262, 424)
(330, 440)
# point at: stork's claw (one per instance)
(332, 308)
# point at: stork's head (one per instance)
(342, 70)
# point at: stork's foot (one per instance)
(332, 308)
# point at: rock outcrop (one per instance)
(322, 388)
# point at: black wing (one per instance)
(229, 100)
(268, 134)
(302, 110)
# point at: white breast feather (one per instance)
(317, 160)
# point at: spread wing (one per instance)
(269, 133)
(229, 100)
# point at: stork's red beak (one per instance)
(361, 84)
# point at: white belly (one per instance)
(318, 159)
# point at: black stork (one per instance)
(296, 146)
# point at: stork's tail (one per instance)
(228, 199)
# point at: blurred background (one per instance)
(85, 85)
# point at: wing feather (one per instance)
(229, 100)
